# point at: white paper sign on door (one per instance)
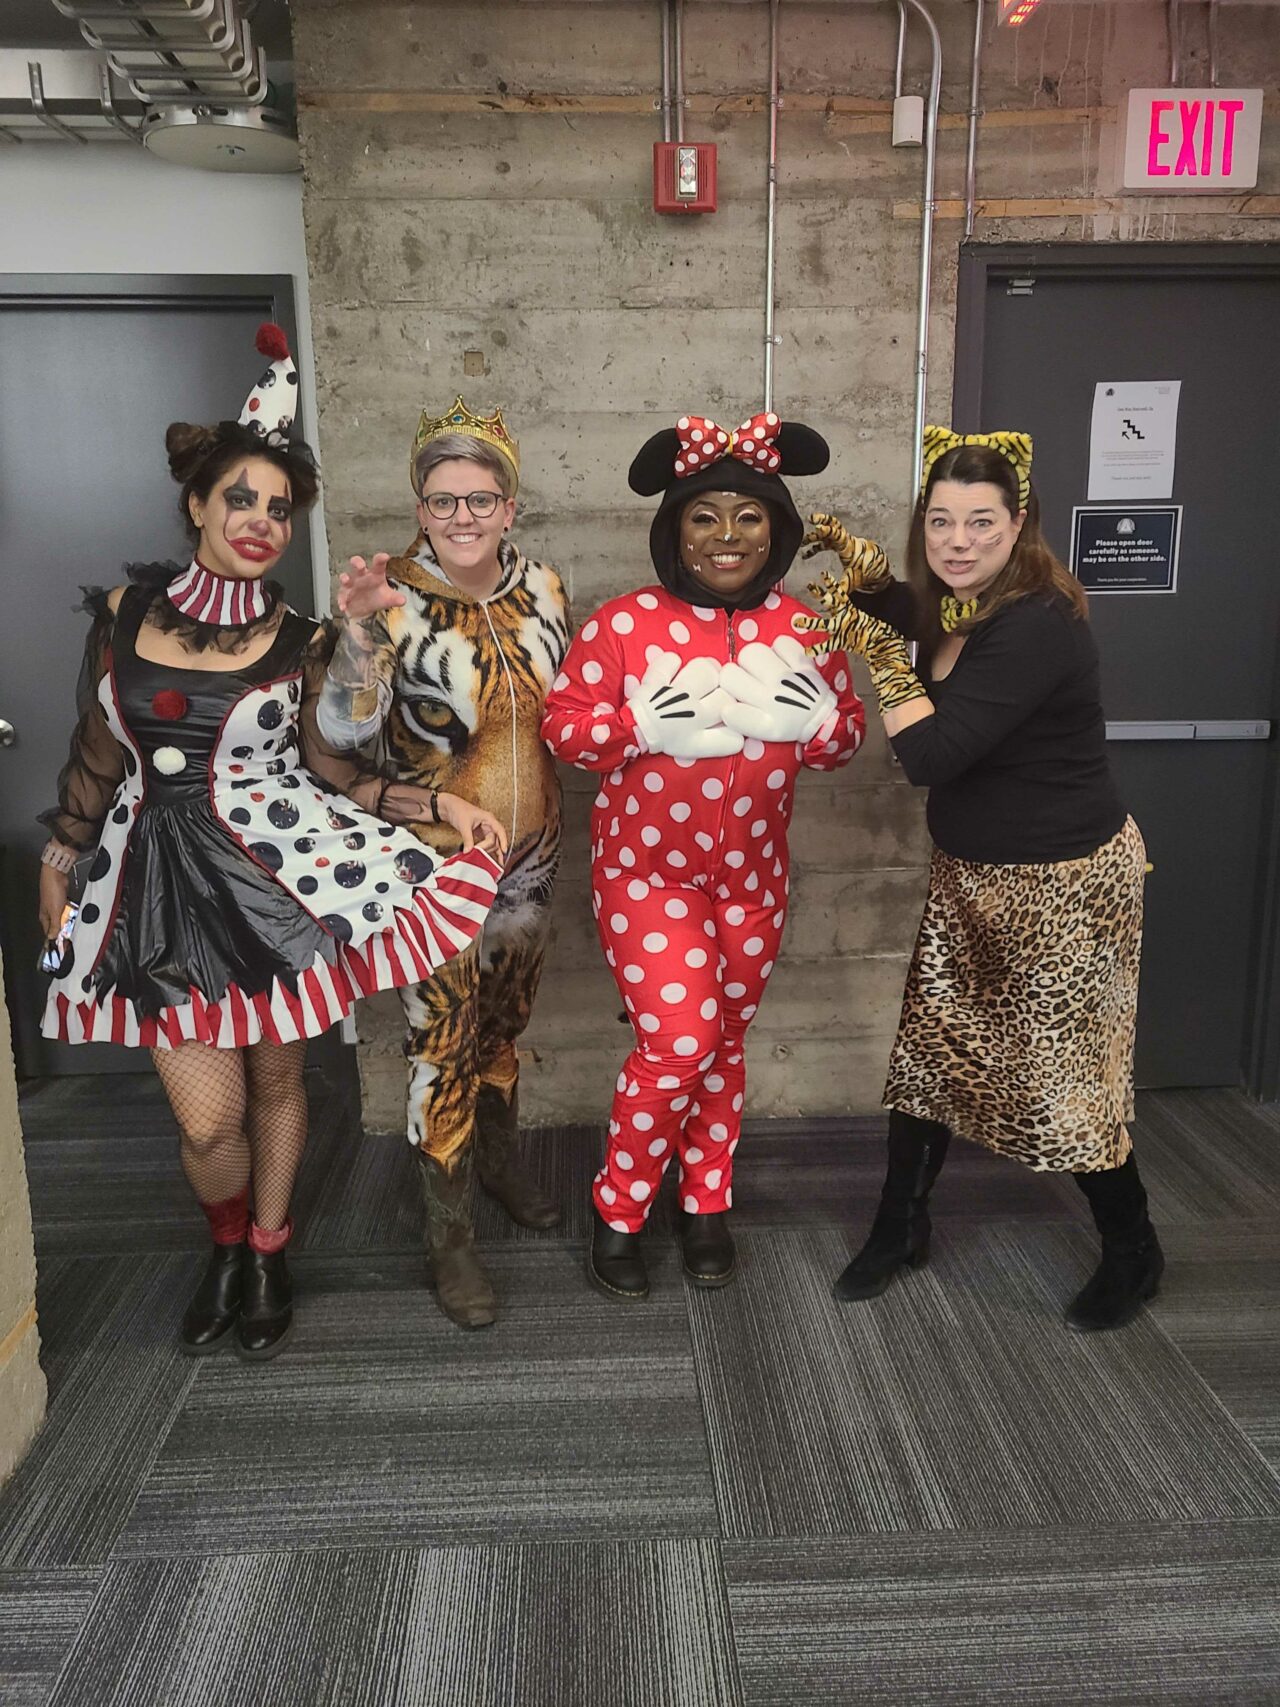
(1134, 438)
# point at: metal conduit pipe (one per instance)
(926, 234)
(679, 70)
(900, 63)
(1173, 23)
(771, 237)
(971, 155)
(1213, 44)
(666, 70)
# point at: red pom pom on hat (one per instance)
(272, 342)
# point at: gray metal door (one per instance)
(1190, 677)
(87, 387)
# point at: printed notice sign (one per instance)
(1126, 548)
(1133, 438)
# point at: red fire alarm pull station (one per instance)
(684, 177)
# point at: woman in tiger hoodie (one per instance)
(447, 653)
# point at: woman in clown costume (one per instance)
(235, 904)
(696, 702)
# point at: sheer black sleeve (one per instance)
(95, 763)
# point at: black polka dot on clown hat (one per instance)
(271, 715)
(337, 926)
(101, 865)
(350, 874)
(413, 865)
(283, 814)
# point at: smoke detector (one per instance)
(213, 138)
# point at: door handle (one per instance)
(8, 734)
(1205, 729)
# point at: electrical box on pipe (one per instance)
(684, 177)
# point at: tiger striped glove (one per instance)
(847, 626)
(866, 568)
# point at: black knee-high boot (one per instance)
(1132, 1261)
(900, 1232)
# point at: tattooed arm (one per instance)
(356, 694)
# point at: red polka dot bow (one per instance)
(702, 443)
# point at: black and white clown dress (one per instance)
(234, 897)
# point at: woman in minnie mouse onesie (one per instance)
(698, 703)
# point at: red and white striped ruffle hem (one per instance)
(445, 918)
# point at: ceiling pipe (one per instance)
(36, 79)
(1213, 44)
(928, 209)
(1173, 24)
(771, 238)
(971, 155)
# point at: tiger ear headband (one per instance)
(1014, 447)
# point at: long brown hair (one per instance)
(1032, 565)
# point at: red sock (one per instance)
(229, 1221)
(269, 1239)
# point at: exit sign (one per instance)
(1192, 139)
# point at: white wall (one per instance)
(111, 208)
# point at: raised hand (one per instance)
(678, 711)
(365, 590)
(847, 626)
(777, 692)
(866, 568)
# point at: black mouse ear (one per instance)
(654, 467)
(802, 450)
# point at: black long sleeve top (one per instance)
(1014, 756)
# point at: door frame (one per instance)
(1260, 1047)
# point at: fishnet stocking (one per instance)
(206, 1090)
(277, 1125)
(240, 1111)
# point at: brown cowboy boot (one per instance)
(501, 1168)
(461, 1285)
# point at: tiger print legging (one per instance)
(463, 1027)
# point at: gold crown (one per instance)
(489, 428)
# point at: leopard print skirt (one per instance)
(1018, 1018)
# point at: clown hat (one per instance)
(270, 407)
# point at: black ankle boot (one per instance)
(215, 1305)
(614, 1263)
(266, 1313)
(900, 1232)
(707, 1246)
(1132, 1261)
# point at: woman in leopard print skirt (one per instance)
(1018, 1019)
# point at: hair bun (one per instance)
(187, 445)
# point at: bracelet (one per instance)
(435, 806)
(61, 859)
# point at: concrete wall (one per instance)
(478, 217)
(22, 1384)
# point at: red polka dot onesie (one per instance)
(689, 884)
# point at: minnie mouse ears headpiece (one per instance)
(763, 443)
(270, 407)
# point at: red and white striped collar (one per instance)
(207, 597)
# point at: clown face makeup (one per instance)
(465, 545)
(725, 540)
(246, 521)
(969, 535)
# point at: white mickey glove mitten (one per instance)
(678, 710)
(777, 692)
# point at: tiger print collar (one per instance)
(418, 568)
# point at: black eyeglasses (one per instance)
(442, 504)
